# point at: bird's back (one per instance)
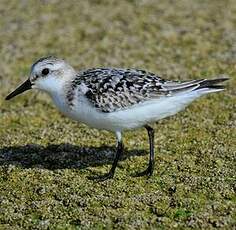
(113, 89)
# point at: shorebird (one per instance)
(114, 99)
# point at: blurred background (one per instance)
(184, 39)
(45, 158)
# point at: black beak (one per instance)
(20, 89)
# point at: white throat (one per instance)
(50, 85)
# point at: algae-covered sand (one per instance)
(45, 158)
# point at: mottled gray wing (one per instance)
(112, 89)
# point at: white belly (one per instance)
(133, 117)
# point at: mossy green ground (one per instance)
(45, 158)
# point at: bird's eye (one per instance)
(45, 71)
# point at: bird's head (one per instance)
(47, 74)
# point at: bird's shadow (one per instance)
(61, 156)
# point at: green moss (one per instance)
(45, 158)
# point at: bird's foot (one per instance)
(100, 178)
(147, 172)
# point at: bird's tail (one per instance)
(212, 85)
(199, 87)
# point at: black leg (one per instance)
(150, 167)
(111, 173)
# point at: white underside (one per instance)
(133, 117)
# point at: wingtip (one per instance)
(214, 83)
(223, 77)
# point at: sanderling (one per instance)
(114, 99)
